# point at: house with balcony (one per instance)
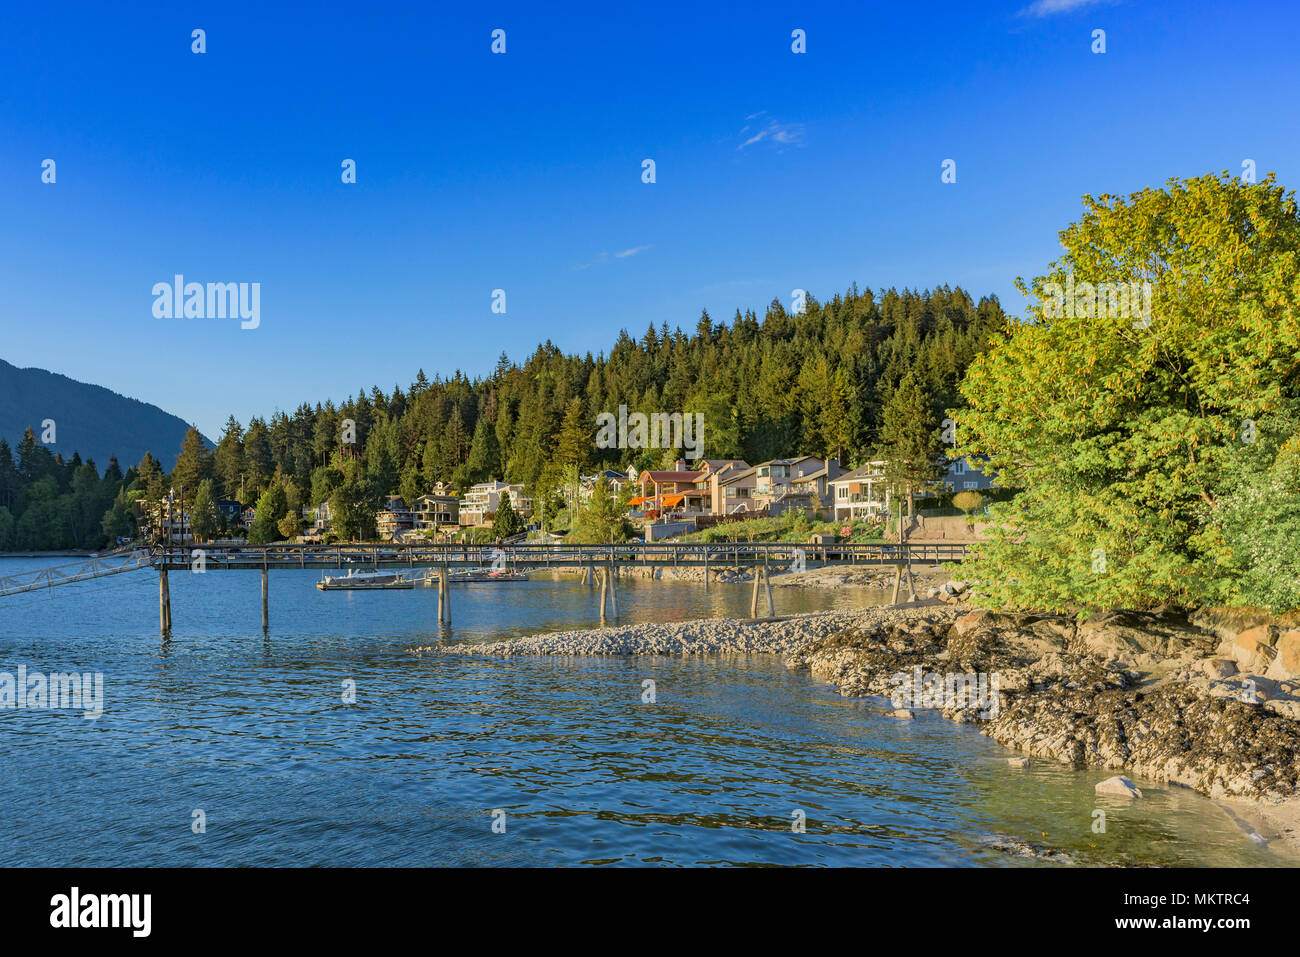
(669, 490)
(479, 502)
(165, 521)
(479, 506)
(861, 493)
(519, 501)
(395, 519)
(317, 518)
(777, 486)
(432, 512)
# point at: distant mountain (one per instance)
(88, 419)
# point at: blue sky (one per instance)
(522, 171)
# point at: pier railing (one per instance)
(554, 556)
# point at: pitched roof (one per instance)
(870, 470)
(670, 476)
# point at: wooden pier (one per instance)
(596, 561)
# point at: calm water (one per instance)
(252, 730)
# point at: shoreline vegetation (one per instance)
(1208, 700)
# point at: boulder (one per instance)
(1018, 762)
(1254, 644)
(1137, 637)
(1119, 786)
(973, 621)
(1219, 667)
(902, 713)
(1286, 663)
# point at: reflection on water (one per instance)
(252, 730)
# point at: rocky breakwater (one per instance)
(780, 636)
(1191, 701)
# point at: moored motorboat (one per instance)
(355, 580)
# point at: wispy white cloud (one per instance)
(605, 256)
(1046, 8)
(771, 131)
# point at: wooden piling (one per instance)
(767, 585)
(706, 571)
(164, 604)
(604, 585)
(266, 610)
(613, 590)
(753, 599)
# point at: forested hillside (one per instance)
(89, 420)
(817, 382)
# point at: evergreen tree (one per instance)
(507, 522)
(910, 440)
(194, 464)
(204, 520)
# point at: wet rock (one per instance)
(902, 713)
(1018, 762)
(1119, 786)
(1019, 848)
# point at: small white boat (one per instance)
(487, 575)
(364, 580)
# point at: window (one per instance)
(970, 485)
(841, 491)
(959, 467)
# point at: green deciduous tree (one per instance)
(1124, 427)
(270, 508)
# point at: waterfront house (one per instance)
(519, 501)
(613, 478)
(394, 520)
(165, 521)
(964, 475)
(670, 490)
(777, 486)
(479, 506)
(479, 502)
(434, 511)
(230, 511)
(861, 493)
(318, 517)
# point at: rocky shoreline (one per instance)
(830, 576)
(1209, 701)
